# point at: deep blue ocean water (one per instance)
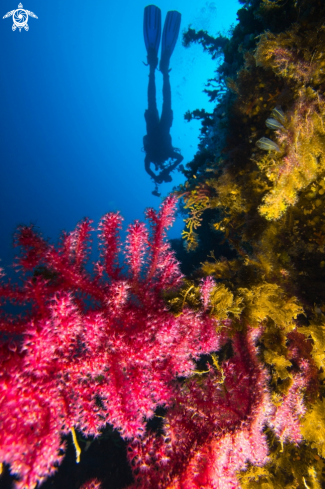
(73, 95)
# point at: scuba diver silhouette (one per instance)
(157, 142)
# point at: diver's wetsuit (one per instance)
(158, 142)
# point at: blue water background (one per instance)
(73, 94)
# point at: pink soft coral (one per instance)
(213, 430)
(103, 348)
(93, 349)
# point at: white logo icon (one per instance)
(20, 18)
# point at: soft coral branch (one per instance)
(213, 430)
(91, 338)
(104, 348)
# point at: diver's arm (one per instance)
(175, 156)
(148, 169)
(164, 175)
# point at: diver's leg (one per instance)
(166, 119)
(152, 102)
(151, 114)
(167, 95)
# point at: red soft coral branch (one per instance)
(159, 224)
(109, 243)
(136, 248)
(213, 430)
(75, 245)
(102, 347)
(92, 337)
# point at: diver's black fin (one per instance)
(152, 28)
(169, 37)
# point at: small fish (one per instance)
(278, 113)
(273, 124)
(267, 144)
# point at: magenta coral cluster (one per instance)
(214, 428)
(102, 347)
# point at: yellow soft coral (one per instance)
(288, 468)
(269, 301)
(313, 427)
(197, 201)
(317, 332)
(223, 302)
(302, 155)
(295, 54)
